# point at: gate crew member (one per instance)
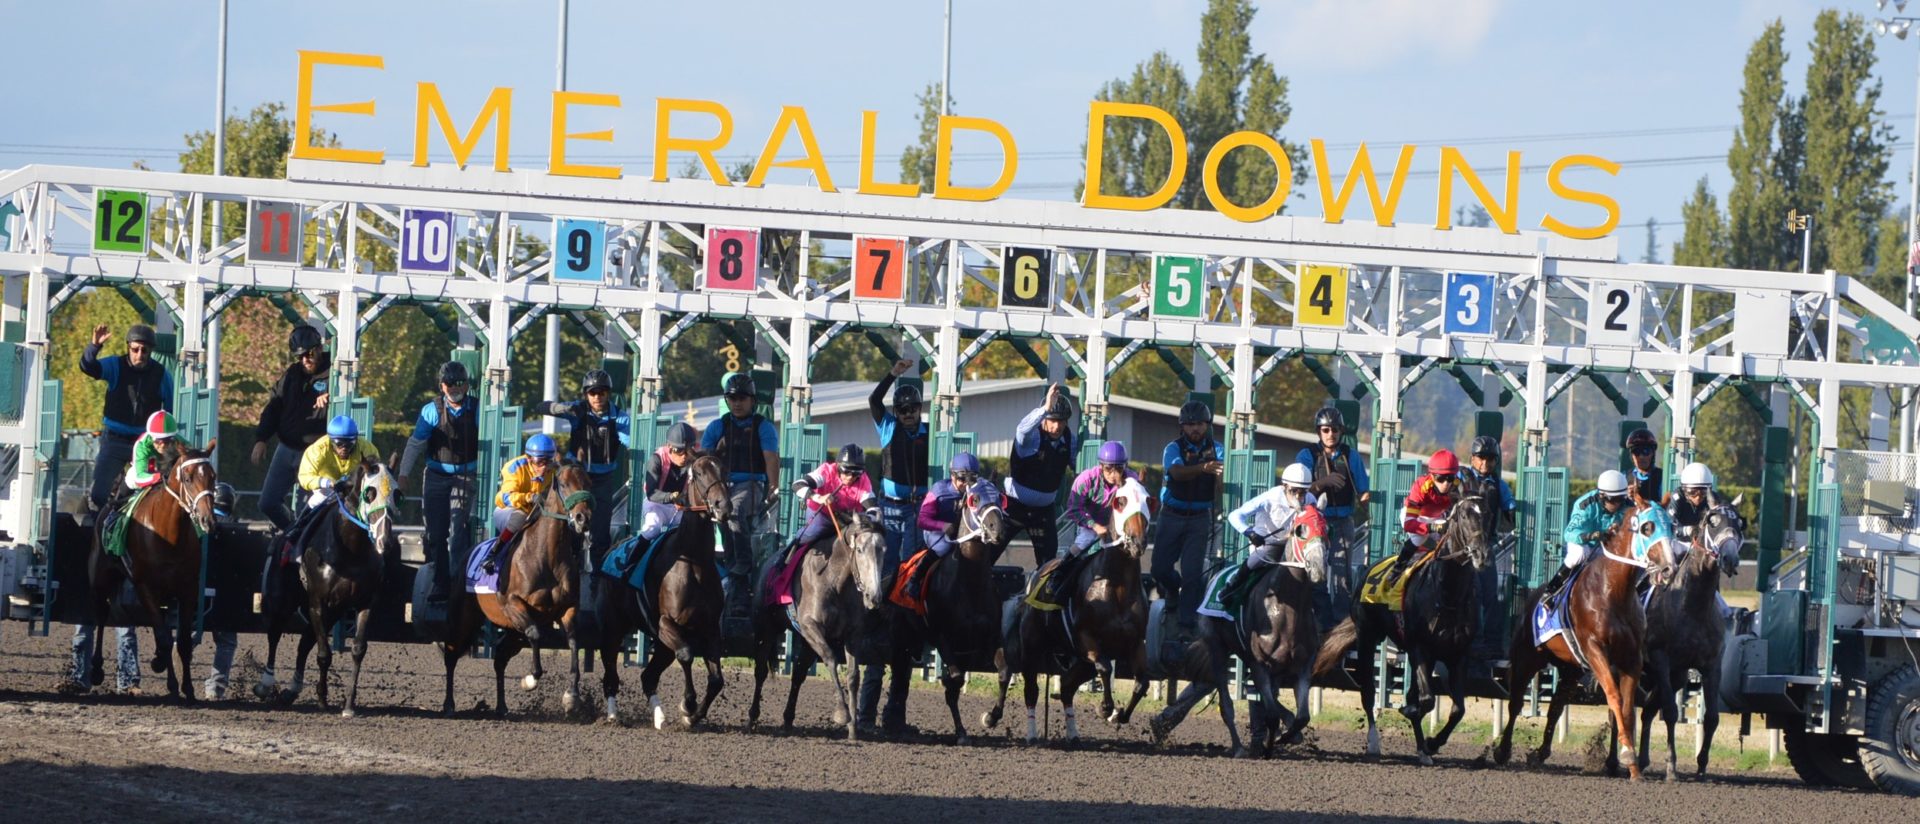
(1042, 451)
(903, 460)
(1192, 465)
(748, 445)
(1641, 446)
(666, 482)
(1339, 484)
(1594, 515)
(601, 433)
(226, 519)
(296, 413)
(447, 432)
(1485, 469)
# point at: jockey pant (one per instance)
(936, 540)
(600, 530)
(657, 518)
(1182, 538)
(506, 517)
(108, 463)
(818, 522)
(448, 504)
(224, 645)
(1039, 526)
(1576, 552)
(282, 473)
(1270, 553)
(1083, 537)
(897, 519)
(318, 497)
(1333, 599)
(128, 675)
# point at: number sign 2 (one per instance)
(1026, 278)
(1179, 287)
(119, 222)
(426, 242)
(1468, 306)
(879, 268)
(1320, 299)
(1613, 314)
(733, 259)
(276, 232)
(579, 251)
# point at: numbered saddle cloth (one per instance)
(115, 535)
(479, 580)
(1550, 616)
(1381, 586)
(902, 594)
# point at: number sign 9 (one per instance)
(1613, 314)
(119, 222)
(1179, 287)
(733, 259)
(1468, 304)
(1320, 298)
(579, 251)
(426, 242)
(276, 231)
(879, 268)
(1026, 278)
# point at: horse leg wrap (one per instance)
(659, 714)
(1033, 729)
(1073, 727)
(612, 714)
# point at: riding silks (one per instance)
(118, 517)
(1382, 587)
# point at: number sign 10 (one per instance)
(579, 251)
(119, 222)
(1179, 287)
(426, 242)
(733, 259)
(276, 232)
(1026, 278)
(1613, 314)
(879, 268)
(1468, 304)
(1320, 298)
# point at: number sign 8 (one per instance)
(733, 259)
(426, 242)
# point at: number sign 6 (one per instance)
(1026, 278)
(1614, 313)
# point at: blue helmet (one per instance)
(342, 427)
(964, 462)
(540, 445)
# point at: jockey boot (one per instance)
(1407, 550)
(1062, 573)
(1559, 579)
(917, 582)
(493, 552)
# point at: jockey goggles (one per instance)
(344, 443)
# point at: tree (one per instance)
(1652, 254)
(1848, 145)
(917, 161)
(1763, 171)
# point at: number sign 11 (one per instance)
(276, 232)
(579, 251)
(733, 259)
(426, 242)
(879, 268)
(1613, 314)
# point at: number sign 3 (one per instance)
(1614, 314)
(733, 259)
(119, 222)
(1320, 299)
(879, 268)
(1026, 278)
(1469, 304)
(426, 242)
(276, 232)
(579, 251)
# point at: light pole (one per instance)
(1898, 27)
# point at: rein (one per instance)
(979, 518)
(573, 499)
(179, 479)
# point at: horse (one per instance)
(1606, 633)
(1278, 636)
(1436, 625)
(962, 620)
(340, 575)
(1685, 630)
(1104, 620)
(834, 593)
(162, 561)
(536, 589)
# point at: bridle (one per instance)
(698, 487)
(1455, 544)
(974, 518)
(177, 490)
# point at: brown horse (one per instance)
(962, 622)
(1606, 633)
(341, 573)
(834, 592)
(163, 557)
(1104, 620)
(536, 589)
(1685, 630)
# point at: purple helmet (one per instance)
(1113, 452)
(964, 462)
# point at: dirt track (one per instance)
(113, 757)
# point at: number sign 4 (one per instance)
(1320, 298)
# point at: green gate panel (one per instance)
(803, 447)
(1543, 516)
(648, 433)
(1776, 454)
(1392, 481)
(1249, 472)
(13, 380)
(1489, 423)
(1349, 412)
(500, 428)
(946, 445)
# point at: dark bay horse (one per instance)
(341, 573)
(1106, 616)
(963, 616)
(1607, 632)
(1278, 636)
(163, 557)
(834, 593)
(1685, 629)
(1436, 625)
(537, 589)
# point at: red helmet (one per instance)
(1443, 463)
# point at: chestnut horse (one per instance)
(1606, 631)
(163, 559)
(536, 589)
(1106, 614)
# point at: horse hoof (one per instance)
(286, 697)
(989, 720)
(1426, 760)
(839, 717)
(686, 721)
(1242, 753)
(566, 701)
(529, 683)
(1159, 730)
(346, 712)
(659, 718)
(158, 665)
(963, 740)
(262, 692)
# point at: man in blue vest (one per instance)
(1042, 452)
(748, 446)
(296, 415)
(1189, 499)
(1485, 471)
(904, 482)
(601, 434)
(447, 433)
(1340, 483)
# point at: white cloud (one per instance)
(1376, 32)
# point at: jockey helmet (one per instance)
(1329, 416)
(964, 463)
(738, 385)
(1196, 412)
(680, 436)
(1612, 484)
(852, 460)
(906, 399)
(342, 428)
(301, 340)
(140, 333)
(453, 372)
(1113, 453)
(540, 446)
(161, 425)
(1696, 474)
(1297, 476)
(1486, 446)
(1443, 462)
(596, 379)
(1641, 438)
(223, 499)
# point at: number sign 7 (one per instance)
(879, 268)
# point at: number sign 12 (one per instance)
(1026, 278)
(1320, 298)
(579, 251)
(1468, 304)
(879, 268)
(1613, 314)
(119, 222)
(1179, 287)
(426, 242)
(276, 232)
(733, 259)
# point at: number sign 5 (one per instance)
(733, 259)
(1614, 314)
(579, 251)
(1179, 287)
(1468, 306)
(879, 268)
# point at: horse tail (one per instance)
(1333, 650)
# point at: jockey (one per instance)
(322, 465)
(1427, 505)
(1089, 508)
(523, 482)
(840, 486)
(1696, 497)
(1642, 446)
(1594, 515)
(940, 510)
(1267, 519)
(666, 482)
(144, 470)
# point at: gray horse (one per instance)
(835, 594)
(1685, 629)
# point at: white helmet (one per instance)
(1612, 483)
(1696, 474)
(1297, 476)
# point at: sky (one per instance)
(1652, 85)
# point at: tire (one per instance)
(1890, 751)
(1827, 760)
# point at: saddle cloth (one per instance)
(479, 580)
(117, 519)
(908, 571)
(1226, 594)
(1550, 614)
(1381, 587)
